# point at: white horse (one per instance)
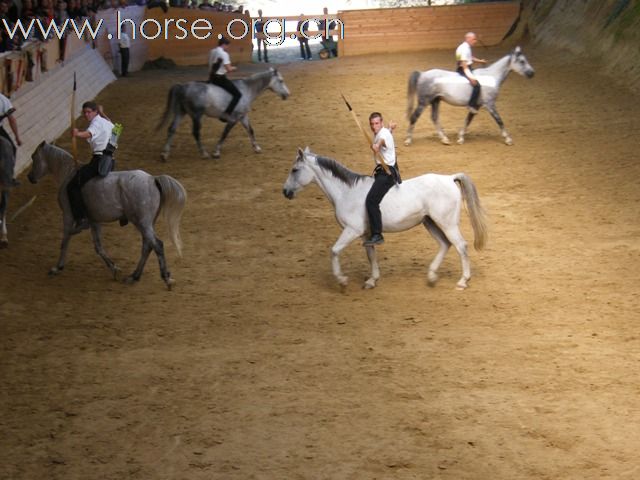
(435, 85)
(433, 200)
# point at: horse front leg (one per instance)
(96, 231)
(422, 103)
(225, 132)
(247, 126)
(346, 237)
(375, 269)
(196, 118)
(164, 155)
(67, 232)
(463, 131)
(4, 201)
(496, 116)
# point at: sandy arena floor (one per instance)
(257, 365)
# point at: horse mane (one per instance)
(56, 153)
(339, 171)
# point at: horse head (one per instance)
(277, 85)
(39, 167)
(520, 64)
(299, 176)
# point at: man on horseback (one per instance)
(98, 134)
(219, 66)
(465, 59)
(384, 150)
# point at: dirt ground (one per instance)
(258, 366)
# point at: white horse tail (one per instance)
(411, 91)
(476, 212)
(174, 104)
(172, 199)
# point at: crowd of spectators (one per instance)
(60, 10)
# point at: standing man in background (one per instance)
(259, 27)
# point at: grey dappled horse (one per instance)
(432, 200)
(7, 164)
(435, 85)
(199, 98)
(129, 196)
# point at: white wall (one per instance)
(43, 108)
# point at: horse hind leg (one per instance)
(435, 118)
(422, 103)
(151, 242)
(164, 155)
(457, 240)
(197, 125)
(443, 243)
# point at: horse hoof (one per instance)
(460, 141)
(206, 156)
(130, 280)
(115, 271)
(164, 156)
(445, 141)
(508, 141)
(407, 142)
(257, 149)
(54, 271)
(170, 282)
(369, 284)
(461, 285)
(432, 279)
(216, 155)
(4, 243)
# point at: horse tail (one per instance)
(476, 212)
(174, 104)
(411, 91)
(172, 199)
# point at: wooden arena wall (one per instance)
(43, 107)
(388, 30)
(191, 50)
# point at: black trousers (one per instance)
(264, 46)
(74, 187)
(305, 51)
(473, 102)
(224, 82)
(4, 133)
(381, 185)
(124, 61)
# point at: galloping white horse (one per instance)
(435, 85)
(433, 200)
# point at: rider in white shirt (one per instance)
(219, 66)
(464, 61)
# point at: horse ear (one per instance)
(300, 153)
(307, 149)
(517, 50)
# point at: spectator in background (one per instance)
(303, 28)
(6, 44)
(328, 39)
(124, 43)
(259, 29)
(61, 16)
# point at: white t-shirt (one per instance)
(388, 151)
(219, 53)
(125, 41)
(463, 53)
(100, 129)
(5, 106)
